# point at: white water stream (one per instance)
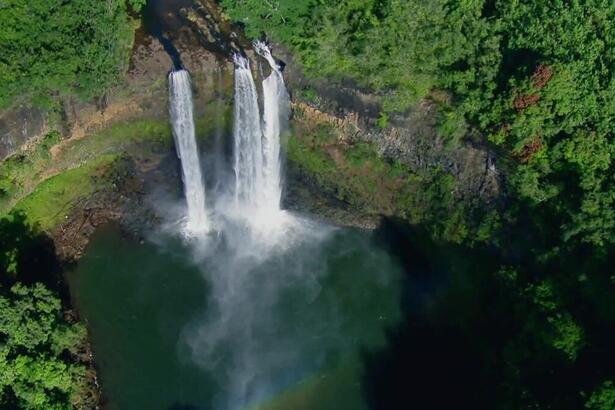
(182, 122)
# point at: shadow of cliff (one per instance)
(27, 254)
(426, 367)
(432, 361)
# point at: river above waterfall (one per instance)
(176, 327)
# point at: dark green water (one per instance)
(219, 326)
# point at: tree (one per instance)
(535, 82)
(26, 255)
(137, 5)
(36, 341)
(39, 368)
(603, 398)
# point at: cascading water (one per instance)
(247, 135)
(182, 121)
(276, 105)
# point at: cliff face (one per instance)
(411, 138)
(18, 126)
(197, 37)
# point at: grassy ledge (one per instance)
(49, 204)
(45, 185)
(370, 184)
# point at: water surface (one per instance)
(174, 326)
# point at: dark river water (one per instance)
(184, 325)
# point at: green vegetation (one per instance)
(533, 81)
(34, 375)
(219, 119)
(603, 398)
(40, 352)
(21, 173)
(54, 198)
(358, 176)
(16, 171)
(51, 47)
(39, 349)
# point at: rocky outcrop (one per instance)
(122, 201)
(411, 138)
(417, 145)
(212, 30)
(144, 93)
(201, 39)
(18, 126)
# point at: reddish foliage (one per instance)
(541, 76)
(530, 149)
(524, 101)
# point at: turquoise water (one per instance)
(230, 324)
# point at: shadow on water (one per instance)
(432, 360)
(179, 406)
(426, 367)
(29, 256)
(402, 242)
(473, 337)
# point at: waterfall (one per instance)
(276, 106)
(182, 121)
(247, 135)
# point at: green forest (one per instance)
(535, 78)
(41, 348)
(531, 80)
(51, 48)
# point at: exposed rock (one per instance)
(305, 196)
(419, 147)
(18, 126)
(411, 138)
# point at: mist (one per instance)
(270, 318)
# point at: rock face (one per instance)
(144, 93)
(18, 126)
(411, 138)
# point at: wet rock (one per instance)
(19, 126)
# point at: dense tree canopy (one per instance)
(534, 79)
(34, 372)
(55, 46)
(38, 347)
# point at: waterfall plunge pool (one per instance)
(173, 327)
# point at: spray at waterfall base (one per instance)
(255, 195)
